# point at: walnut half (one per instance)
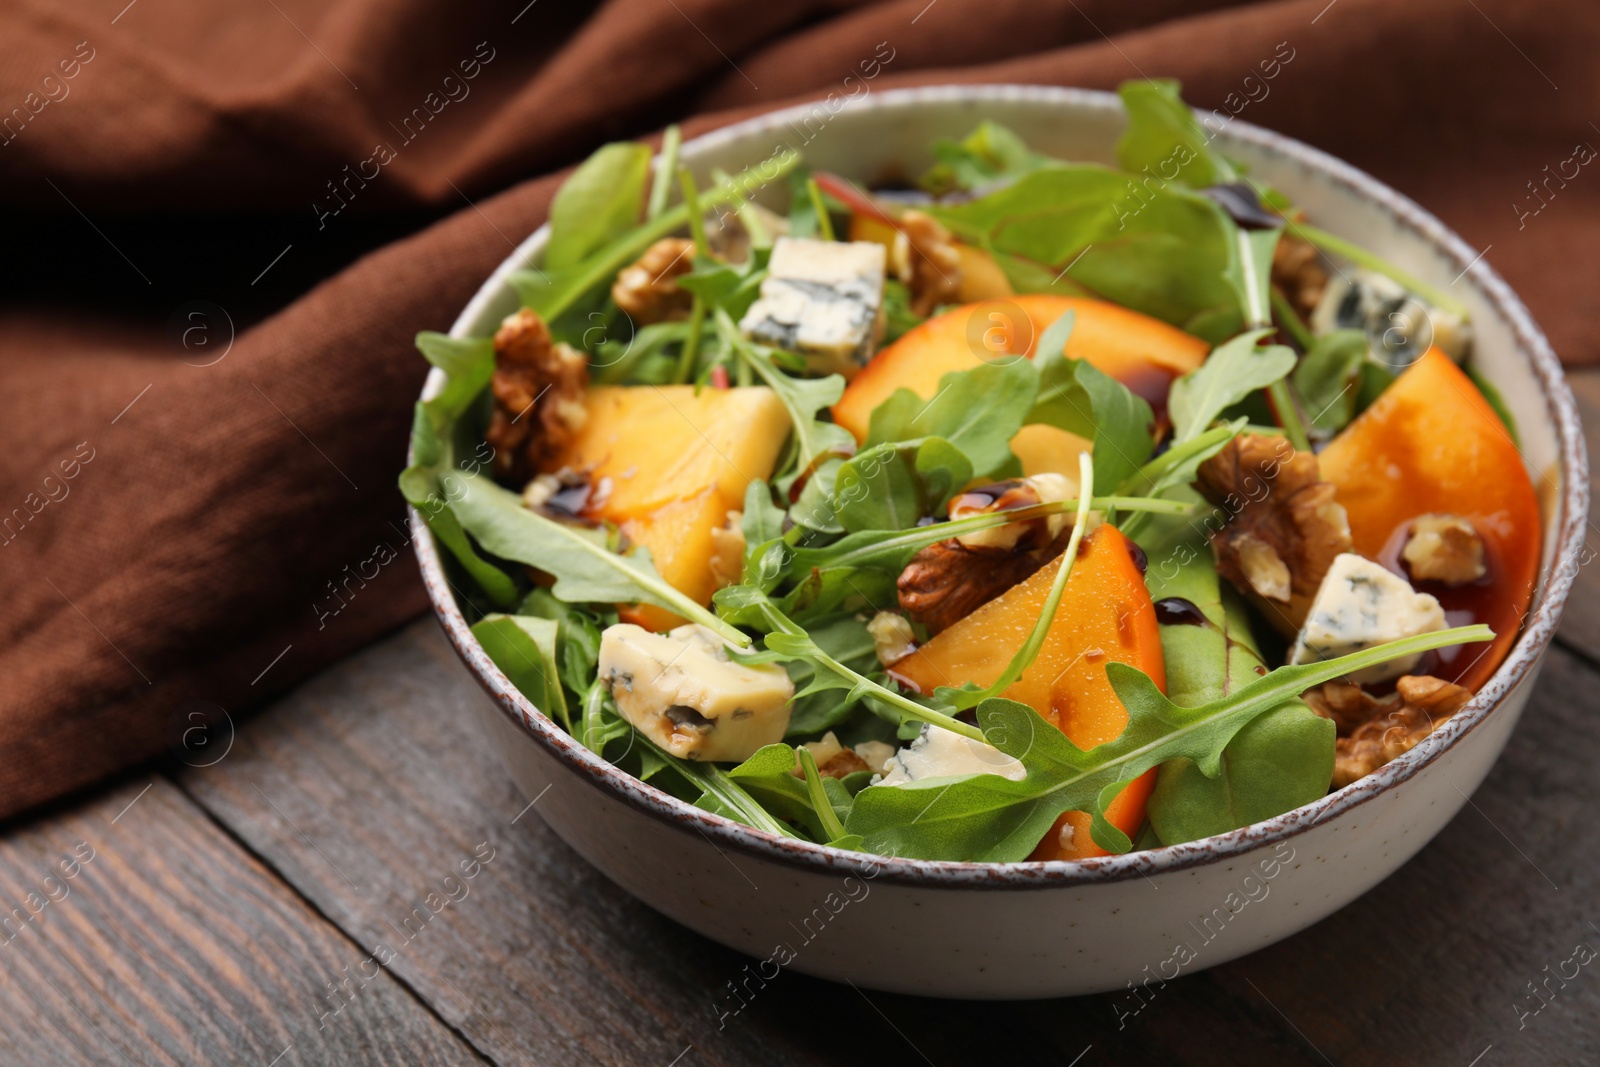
(647, 290)
(1444, 548)
(1283, 527)
(950, 580)
(538, 388)
(924, 256)
(1374, 730)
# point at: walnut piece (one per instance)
(1009, 496)
(1374, 730)
(892, 636)
(1283, 529)
(647, 290)
(946, 582)
(832, 758)
(1298, 274)
(1444, 548)
(924, 256)
(538, 389)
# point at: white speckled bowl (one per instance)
(1050, 929)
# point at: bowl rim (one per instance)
(1556, 577)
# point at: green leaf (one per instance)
(553, 290)
(1328, 378)
(1078, 397)
(767, 776)
(1164, 140)
(431, 429)
(821, 801)
(987, 154)
(1250, 273)
(988, 818)
(1496, 401)
(1232, 372)
(891, 550)
(600, 202)
(1164, 251)
(847, 640)
(524, 648)
(1277, 762)
(585, 568)
(802, 398)
(577, 636)
(893, 486)
(978, 411)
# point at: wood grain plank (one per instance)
(140, 933)
(1434, 965)
(1580, 626)
(546, 961)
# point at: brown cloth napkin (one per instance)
(200, 440)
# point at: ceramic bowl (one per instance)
(1051, 929)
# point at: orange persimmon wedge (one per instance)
(1432, 444)
(668, 463)
(1143, 353)
(1105, 616)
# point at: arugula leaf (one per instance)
(787, 640)
(1275, 763)
(1163, 138)
(1492, 395)
(898, 317)
(987, 154)
(1250, 272)
(432, 454)
(988, 818)
(1164, 251)
(802, 398)
(1078, 397)
(553, 290)
(891, 550)
(767, 776)
(1232, 372)
(978, 411)
(823, 592)
(598, 203)
(524, 648)
(846, 639)
(821, 801)
(895, 485)
(577, 635)
(585, 568)
(1329, 378)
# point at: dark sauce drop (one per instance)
(1140, 560)
(1176, 611)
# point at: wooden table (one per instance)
(231, 913)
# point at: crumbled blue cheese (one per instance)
(1399, 325)
(683, 691)
(1360, 604)
(940, 753)
(823, 300)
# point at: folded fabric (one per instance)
(197, 504)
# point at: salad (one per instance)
(1034, 509)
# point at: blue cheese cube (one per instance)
(684, 692)
(823, 300)
(940, 753)
(1361, 604)
(1400, 326)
